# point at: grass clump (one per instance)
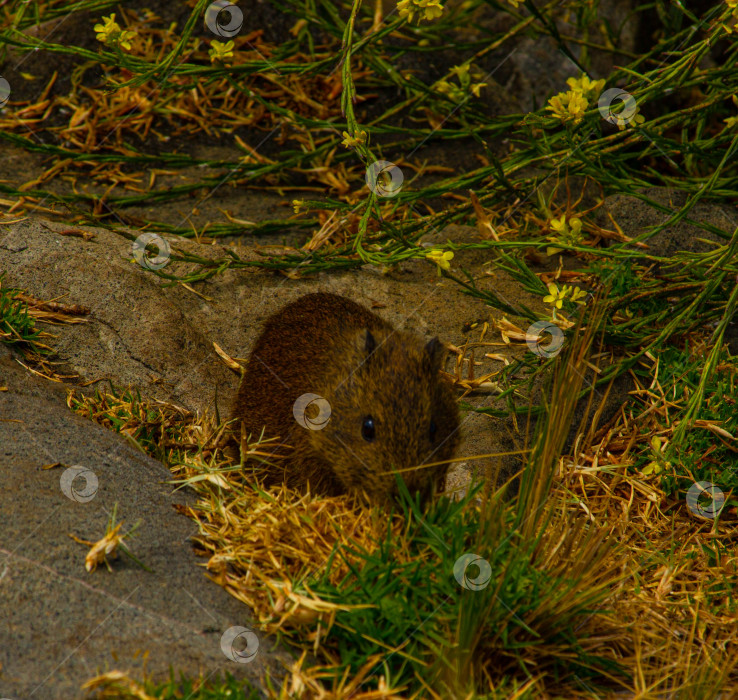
(707, 451)
(151, 426)
(17, 326)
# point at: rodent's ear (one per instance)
(365, 342)
(436, 352)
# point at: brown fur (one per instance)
(327, 345)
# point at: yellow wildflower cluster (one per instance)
(634, 119)
(567, 232)
(110, 33)
(357, 139)
(441, 258)
(428, 9)
(572, 104)
(459, 92)
(557, 296)
(220, 51)
(589, 88)
(659, 463)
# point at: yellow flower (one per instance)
(110, 33)
(635, 120)
(557, 104)
(577, 296)
(296, 204)
(659, 463)
(568, 105)
(586, 86)
(555, 295)
(577, 106)
(220, 50)
(732, 4)
(651, 468)
(353, 141)
(559, 225)
(460, 92)
(566, 232)
(441, 259)
(428, 9)
(461, 71)
(476, 87)
(124, 39)
(451, 90)
(110, 28)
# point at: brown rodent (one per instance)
(390, 409)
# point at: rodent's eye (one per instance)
(432, 430)
(367, 429)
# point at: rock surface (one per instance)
(63, 625)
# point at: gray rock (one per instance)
(635, 217)
(62, 625)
